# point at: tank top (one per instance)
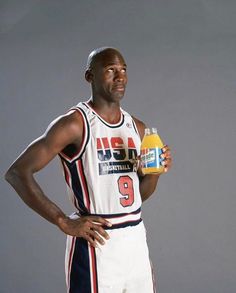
(101, 178)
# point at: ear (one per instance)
(88, 76)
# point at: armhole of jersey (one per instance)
(135, 127)
(85, 138)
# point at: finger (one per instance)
(167, 167)
(166, 162)
(168, 158)
(167, 154)
(163, 163)
(91, 240)
(162, 156)
(165, 148)
(100, 220)
(166, 151)
(100, 231)
(94, 235)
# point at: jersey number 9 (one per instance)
(126, 189)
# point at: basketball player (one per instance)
(98, 144)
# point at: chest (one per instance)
(114, 143)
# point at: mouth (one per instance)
(119, 88)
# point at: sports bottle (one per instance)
(151, 149)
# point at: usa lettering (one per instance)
(115, 148)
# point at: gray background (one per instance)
(181, 66)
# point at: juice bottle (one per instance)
(150, 152)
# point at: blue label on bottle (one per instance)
(150, 158)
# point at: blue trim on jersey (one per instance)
(80, 281)
(76, 185)
(88, 132)
(86, 125)
(85, 180)
(120, 225)
(118, 215)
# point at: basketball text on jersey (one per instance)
(115, 155)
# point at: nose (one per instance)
(119, 76)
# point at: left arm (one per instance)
(148, 182)
(148, 185)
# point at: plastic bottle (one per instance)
(150, 152)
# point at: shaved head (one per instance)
(106, 72)
(98, 53)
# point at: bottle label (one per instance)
(150, 158)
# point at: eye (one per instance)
(110, 69)
(123, 70)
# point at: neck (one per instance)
(109, 111)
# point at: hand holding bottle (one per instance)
(155, 156)
(166, 158)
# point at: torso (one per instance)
(101, 176)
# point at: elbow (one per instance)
(11, 175)
(17, 174)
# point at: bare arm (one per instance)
(148, 182)
(62, 132)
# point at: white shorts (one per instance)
(122, 265)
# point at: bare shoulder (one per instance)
(71, 121)
(64, 130)
(140, 125)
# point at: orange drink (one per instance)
(151, 149)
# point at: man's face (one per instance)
(109, 77)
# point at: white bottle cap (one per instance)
(147, 131)
(154, 130)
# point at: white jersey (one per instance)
(102, 180)
(101, 177)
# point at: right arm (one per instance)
(149, 182)
(64, 131)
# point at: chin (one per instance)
(117, 96)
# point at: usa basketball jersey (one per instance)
(101, 177)
(102, 180)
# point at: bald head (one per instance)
(99, 53)
(106, 72)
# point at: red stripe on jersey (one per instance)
(94, 269)
(84, 185)
(66, 173)
(70, 261)
(128, 221)
(75, 202)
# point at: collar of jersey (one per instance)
(115, 125)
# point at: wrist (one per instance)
(61, 222)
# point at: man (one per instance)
(98, 143)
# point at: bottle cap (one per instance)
(147, 131)
(154, 130)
